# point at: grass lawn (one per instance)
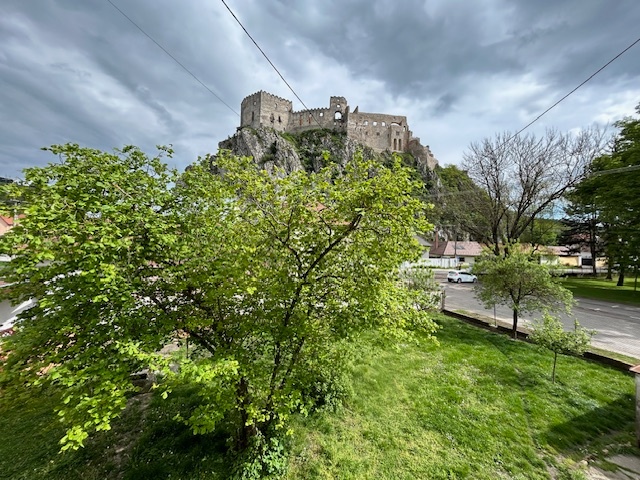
(601, 289)
(477, 406)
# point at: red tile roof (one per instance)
(451, 249)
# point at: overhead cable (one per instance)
(570, 93)
(269, 60)
(172, 57)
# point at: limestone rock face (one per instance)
(304, 151)
(281, 153)
(266, 146)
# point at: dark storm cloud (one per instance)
(79, 71)
(421, 48)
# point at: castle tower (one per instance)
(262, 108)
(339, 108)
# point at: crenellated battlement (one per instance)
(267, 95)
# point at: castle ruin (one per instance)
(376, 130)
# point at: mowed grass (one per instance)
(477, 406)
(601, 289)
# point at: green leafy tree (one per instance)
(517, 280)
(613, 188)
(550, 334)
(541, 232)
(421, 281)
(582, 227)
(453, 194)
(268, 276)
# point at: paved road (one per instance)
(617, 325)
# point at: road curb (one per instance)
(523, 334)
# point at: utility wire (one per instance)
(269, 60)
(616, 170)
(174, 58)
(569, 94)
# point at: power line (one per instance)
(616, 170)
(174, 58)
(270, 62)
(569, 94)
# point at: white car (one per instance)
(460, 277)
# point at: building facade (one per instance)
(376, 130)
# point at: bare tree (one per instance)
(524, 175)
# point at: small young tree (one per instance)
(517, 280)
(551, 335)
(422, 283)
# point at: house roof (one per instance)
(7, 220)
(460, 249)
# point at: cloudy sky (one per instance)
(460, 70)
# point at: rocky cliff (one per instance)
(292, 152)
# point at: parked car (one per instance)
(460, 277)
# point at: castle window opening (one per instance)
(338, 106)
(366, 122)
(253, 114)
(378, 133)
(322, 114)
(279, 119)
(395, 144)
(276, 105)
(400, 144)
(300, 120)
(309, 119)
(337, 115)
(384, 124)
(375, 124)
(255, 103)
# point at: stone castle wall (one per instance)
(376, 130)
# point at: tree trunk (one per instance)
(245, 432)
(592, 247)
(514, 330)
(553, 374)
(621, 277)
(609, 272)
